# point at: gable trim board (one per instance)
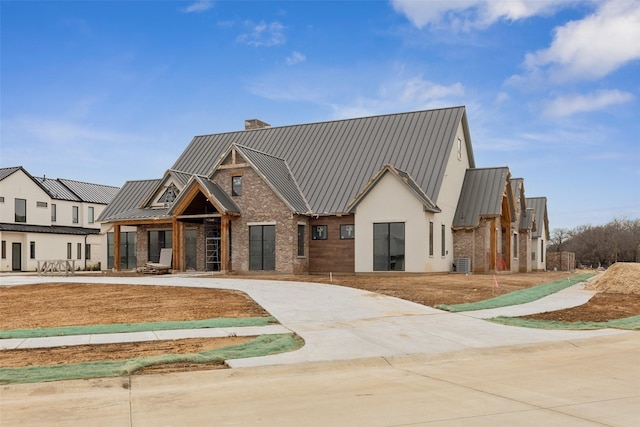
(314, 171)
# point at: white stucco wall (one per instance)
(391, 201)
(20, 186)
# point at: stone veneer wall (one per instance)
(474, 244)
(524, 251)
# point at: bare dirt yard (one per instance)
(51, 305)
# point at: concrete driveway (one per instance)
(368, 360)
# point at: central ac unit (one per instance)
(463, 265)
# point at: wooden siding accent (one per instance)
(332, 255)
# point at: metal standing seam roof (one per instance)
(126, 203)
(91, 193)
(57, 190)
(332, 161)
(539, 205)
(48, 229)
(527, 220)
(276, 173)
(481, 195)
(5, 172)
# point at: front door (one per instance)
(16, 256)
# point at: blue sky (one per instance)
(110, 91)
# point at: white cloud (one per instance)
(568, 105)
(468, 14)
(198, 6)
(592, 47)
(295, 58)
(263, 34)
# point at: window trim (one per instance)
(75, 214)
(54, 212)
(319, 236)
(236, 187)
(347, 236)
(20, 219)
(90, 215)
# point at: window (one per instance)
(169, 195)
(159, 239)
(87, 251)
(41, 204)
(515, 245)
(90, 214)
(1, 199)
(53, 212)
(388, 246)
(127, 250)
(541, 250)
(459, 149)
(68, 250)
(4, 249)
(347, 231)
(21, 210)
(74, 214)
(430, 238)
(300, 239)
(32, 250)
(533, 255)
(236, 186)
(79, 251)
(262, 247)
(443, 243)
(319, 232)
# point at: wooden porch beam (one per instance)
(116, 247)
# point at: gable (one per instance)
(483, 193)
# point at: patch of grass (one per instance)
(263, 345)
(219, 322)
(522, 296)
(627, 323)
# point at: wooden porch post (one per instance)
(178, 256)
(116, 247)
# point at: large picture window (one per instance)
(388, 246)
(159, 239)
(262, 247)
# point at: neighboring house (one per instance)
(359, 195)
(523, 225)
(540, 236)
(49, 219)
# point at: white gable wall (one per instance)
(19, 186)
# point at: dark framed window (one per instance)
(169, 195)
(32, 250)
(90, 215)
(75, 217)
(347, 231)
(262, 247)
(430, 238)
(236, 186)
(54, 212)
(87, 251)
(41, 204)
(533, 255)
(68, 250)
(21, 210)
(515, 246)
(443, 244)
(1, 199)
(388, 246)
(79, 251)
(300, 239)
(159, 239)
(541, 250)
(128, 258)
(4, 249)
(319, 232)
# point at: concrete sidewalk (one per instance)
(592, 382)
(339, 323)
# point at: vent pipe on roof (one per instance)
(252, 124)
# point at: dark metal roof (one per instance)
(91, 193)
(5, 172)
(481, 195)
(332, 161)
(405, 179)
(212, 191)
(126, 203)
(276, 173)
(48, 229)
(539, 205)
(57, 190)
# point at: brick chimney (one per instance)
(252, 124)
